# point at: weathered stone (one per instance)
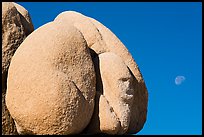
(104, 119)
(86, 27)
(140, 94)
(117, 89)
(139, 109)
(51, 82)
(63, 90)
(111, 43)
(25, 18)
(100, 39)
(13, 34)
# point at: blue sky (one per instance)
(165, 39)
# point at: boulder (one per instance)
(14, 31)
(51, 82)
(140, 94)
(116, 93)
(86, 27)
(110, 43)
(75, 76)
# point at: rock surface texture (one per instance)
(14, 30)
(56, 94)
(101, 40)
(73, 75)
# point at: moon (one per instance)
(179, 80)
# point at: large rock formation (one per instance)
(100, 39)
(75, 76)
(53, 90)
(14, 30)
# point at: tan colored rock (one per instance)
(140, 101)
(25, 18)
(117, 89)
(104, 118)
(121, 99)
(100, 39)
(116, 46)
(51, 82)
(110, 43)
(86, 27)
(13, 34)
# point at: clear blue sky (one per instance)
(165, 39)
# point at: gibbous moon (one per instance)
(179, 80)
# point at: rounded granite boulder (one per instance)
(51, 82)
(75, 76)
(102, 40)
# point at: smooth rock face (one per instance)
(139, 108)
(104, 119)
(117, 90)
(13, 34)
(86, 27)
(117, 87)
(110, 43)
(53, 90)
